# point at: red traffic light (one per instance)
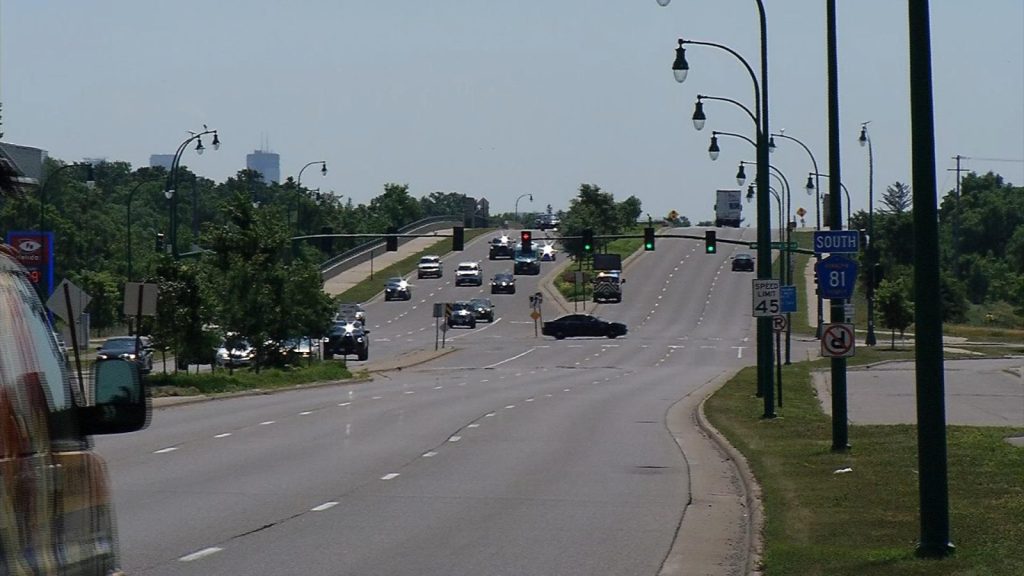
(526, 239)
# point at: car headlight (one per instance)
(359, 339)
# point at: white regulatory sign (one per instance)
(767, 297)
(780, 323)
(837, 341)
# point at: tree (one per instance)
(443, 204)
(897, 198)
(598, 211)
(892, 300)
(395, 207)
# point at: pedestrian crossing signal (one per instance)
(648, 239)
(710, 242)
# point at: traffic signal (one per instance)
(160, 245)
(458, 238)
(588, 240)
(648, 238)
(526, 239)
(710, 242)
(392, 240)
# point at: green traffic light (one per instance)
(710, 250)
(649, 246)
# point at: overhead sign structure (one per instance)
(836, 241)
(837, 276)
(837, 341)
(767, 297)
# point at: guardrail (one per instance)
(339, 263)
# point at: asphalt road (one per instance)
(511, 455)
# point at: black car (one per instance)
(743, 262)
(346, 338)
(124, 348)
(503, 283)
(582, 325)
(462, 315)
(500, 247)
(483, 309)
(397, 289)
(526, 263)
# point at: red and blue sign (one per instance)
(35, 253)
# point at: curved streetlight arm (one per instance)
(817, 183)
(731, 101)
(735, 135)
(520, 197)
(42, 189)
(298, 181)
(845, 191)
(750, 71)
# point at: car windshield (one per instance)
(462, 306)
(127, 343)
(481, 302)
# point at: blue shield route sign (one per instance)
(837, 276)
(836, 242)
(788, 298)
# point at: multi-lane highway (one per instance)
(511, 455)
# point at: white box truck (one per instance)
(728, 208)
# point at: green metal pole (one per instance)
(840, 432)
(931, 411)
(764, 224)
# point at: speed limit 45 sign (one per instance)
(767, 297)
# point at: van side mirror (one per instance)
(118, 401)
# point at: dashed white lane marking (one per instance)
(438, 387)
(489, 414)
(410, 391)
(166, 450)
(391, 476)
(529, 400)
(267, 422)
(224, 435)
(739, 351)
(575, 346)
(518, 374)
(324, 506)
(455, 438)
(567, 390)
(462, 383)
(430, 454)
(548, 395)
(520, 355)
(306, 413)
(200, 554)
(473, 425)
(344, 404)
(376, 397)
(484, 380)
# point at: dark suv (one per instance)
(348, 338)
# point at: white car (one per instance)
(469, 273)
(429, 267)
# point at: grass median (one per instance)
(566, 281)
(223, 380)
(370, 287)
(866, 522)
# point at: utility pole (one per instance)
(956, 209)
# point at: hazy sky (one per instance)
(498, 99)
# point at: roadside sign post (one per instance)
(438, 313)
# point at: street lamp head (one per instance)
(323, 169)
(199, 147)
(741, 175)
(713, 149)
(90, 176)
(680, 67)
(698, 115)
(531, 197)
(750, 192)
(216, 141)
(863, 134)
(771, 144)
(169, 193)
(663, 2)
(810, 184)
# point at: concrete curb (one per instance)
(724, 503)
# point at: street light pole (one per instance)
(129, 226)
(764, 266)
(298, 188)
(172, 179)
(865, 138)
(521, 196)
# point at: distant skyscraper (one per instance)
(163, 160)
(268, 164)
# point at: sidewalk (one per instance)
(382, 259)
